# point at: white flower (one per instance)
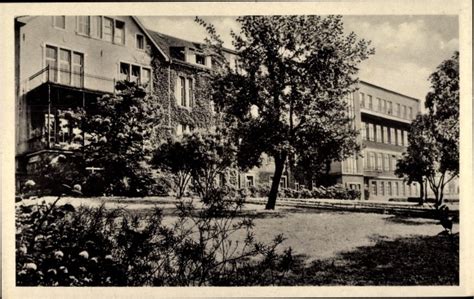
(58, 254)
(30, 266)
(84, 254)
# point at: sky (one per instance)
(407, 48)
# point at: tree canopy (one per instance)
(288, 95)
(433, 151)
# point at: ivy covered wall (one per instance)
(165, 75)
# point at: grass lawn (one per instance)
(344, 248)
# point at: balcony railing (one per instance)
(69, 78)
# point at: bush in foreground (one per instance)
(65, 246)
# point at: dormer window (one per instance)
(200, 59)
(177, 53)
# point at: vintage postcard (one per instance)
(207, 149)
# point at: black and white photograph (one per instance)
(237, 149)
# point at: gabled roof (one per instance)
(165, 42)
(163, 50)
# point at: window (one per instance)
(108, 29)
(190, 92)
(371, 104)
(200, 59)
(140, 42)
(393, 137)
(403, 189)
(83, 25)
(146, 77)
(135, 73)
(371, 132)
(96, 26)
(394, 162)
(182, 81)
(77, 69)
(384, 106)
(124, 71)
(389, 188)
(59, 22)
(249, 181)
(378, 133)
(362, 100)
(51, 62)
(396, 187)
(404, 115)
(363, 131)
(397, 110)
(386, 163)
(379, 105)
(390, 107)
(65, 66)
(119, 32)
(372, 161)
(179, 130)
(374, 187)
(366, 161)
(379, 161)
(409, 190)
(381, 188)
(385, 135)
(399, 137)
(410, 113)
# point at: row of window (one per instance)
(384, 134)
(386, 106)
(105, 28)
(65, 66)
(135, 73)
(393, 188)
(380, 161)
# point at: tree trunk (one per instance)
(279, 165)
(422, 192)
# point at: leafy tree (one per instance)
(434, 142)
(415, 164)
(198, 157)
(174, 156)
(288, 94)
(118, 130)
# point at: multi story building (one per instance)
(63, 62)
(383, 118)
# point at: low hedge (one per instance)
(337, 191)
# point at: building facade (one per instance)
(383, 118)
(65, 62)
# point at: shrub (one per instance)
(59, 245)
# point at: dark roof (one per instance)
(167, 41)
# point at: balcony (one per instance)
(68, 79)
(385, 116)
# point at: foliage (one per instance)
(433, 151)
(199, 156)
(289, 91)
(337, 191)
(65, 246)
(118, 131)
